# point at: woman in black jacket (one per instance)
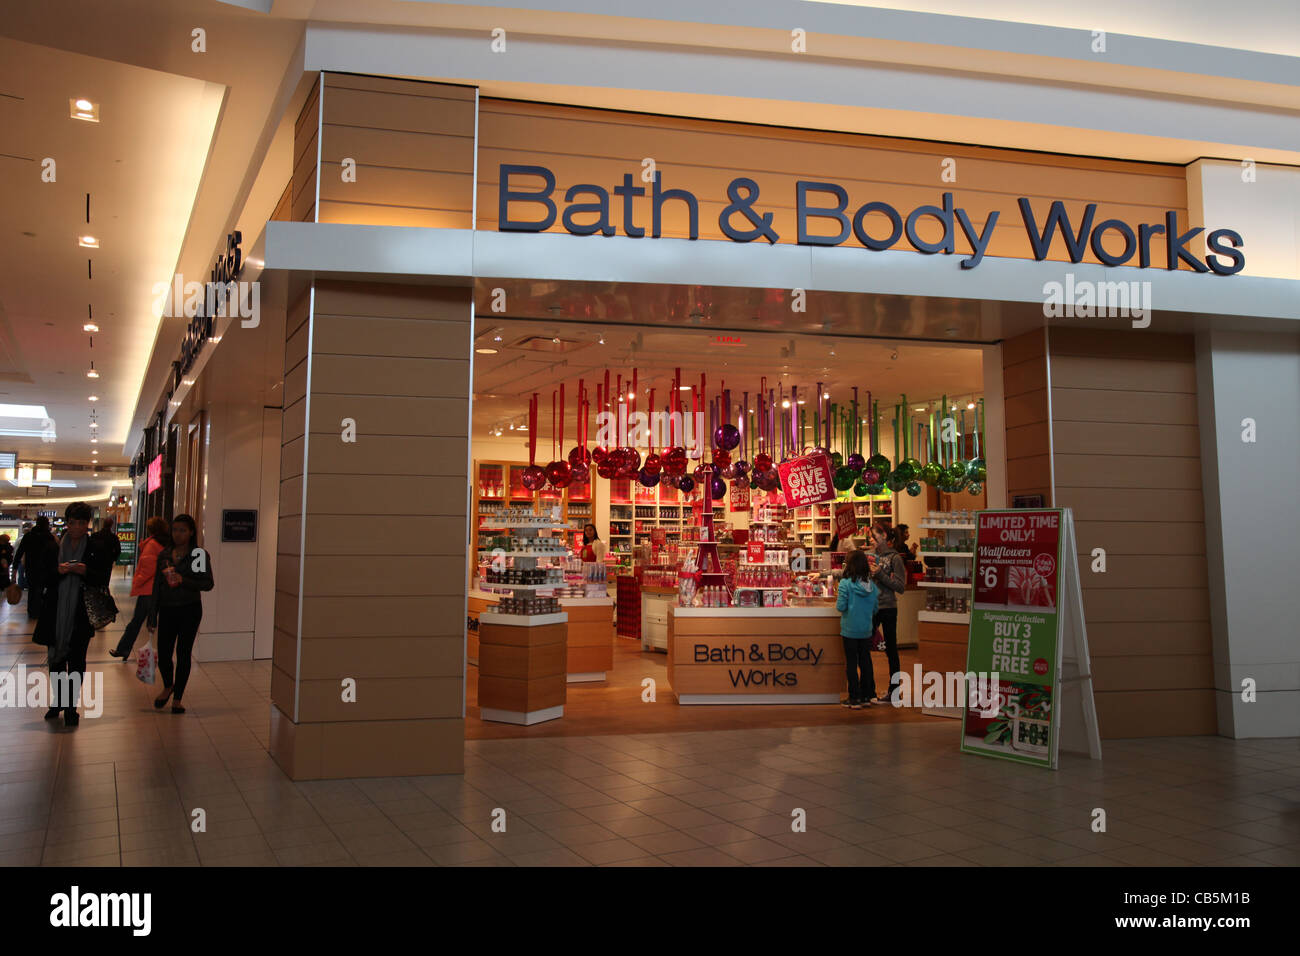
(67, 567)
(184, 572)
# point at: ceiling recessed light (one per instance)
(826, 394)
(94, 441)
(801, 401)
(785, 403)
(486, 351)
(80, 108)
(93, 398)
(683, 388)
(90, 327)
(919, 408)
(970, 404)
(88, 242)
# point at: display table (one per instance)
(521, 667)
(755, 655)
(655, 603)
(591, 638)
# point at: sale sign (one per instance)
(846, 522)
(806, 480)
(1015, 631)
(740, 499)
(754, 552)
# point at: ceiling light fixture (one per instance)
(486, 351)
(90, 372)
(90, 327)
(93, 398)
(970, 405)
(94, 441)
(785, 403)
(80, 108)
(601, 341)
(88, 242)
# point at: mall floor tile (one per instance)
(122, 789)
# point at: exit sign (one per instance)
(734, 340)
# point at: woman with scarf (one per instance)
(63, 626)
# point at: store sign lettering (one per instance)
(824, 217)
(774, 653)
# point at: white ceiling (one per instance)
(141, 165)
(504, 382)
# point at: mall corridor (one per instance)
(122, 790)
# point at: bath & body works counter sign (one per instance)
(1015, 631)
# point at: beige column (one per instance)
(368, 664)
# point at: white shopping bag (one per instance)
(145, 663)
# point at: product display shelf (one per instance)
(869, 510)
(522, 669)
(498, 486)
(942, 630)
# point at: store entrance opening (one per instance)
(580, 574)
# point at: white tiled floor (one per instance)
(122, 790)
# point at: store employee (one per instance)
(593, 549)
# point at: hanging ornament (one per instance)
(648, 478)
(837, 460)
(533, 478)
(872, 476)
(721, 457)
(740, 467)
(762, 462)
(769, 480)
(932, 472)
(726, 436)
(717, 488)
(895, 482)
(686, 484)
(559, 474)
(579, 477)
(861, 489)
(579, 457)
(876, 489)
(975, 488)
(653, 464)
(976, 470)
(675, 461)
(913, 488)
(843, 478)
(599, 454)
(856, 462)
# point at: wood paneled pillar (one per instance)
(371, 557)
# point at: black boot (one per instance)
(52, 712)
(70, 718)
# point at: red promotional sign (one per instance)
(658, 538)
(739, 498)
(846, 522)
(1017, 559)
(154, 479)
(754, 552)
(807, 480)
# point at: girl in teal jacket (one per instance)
(856, 602)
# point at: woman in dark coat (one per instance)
(63, 627)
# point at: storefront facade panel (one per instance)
(1101, 421)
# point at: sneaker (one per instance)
(848, 702)
(857, 705)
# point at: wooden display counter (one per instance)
(942, 647)
(591, 638)
(521, 669)
(479, 601)
(655, 602)
(755, 655)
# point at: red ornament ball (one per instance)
(533, 478)
(762, 461)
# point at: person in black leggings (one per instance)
(891, 578)
(184, 572)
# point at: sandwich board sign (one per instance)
(1027, 625)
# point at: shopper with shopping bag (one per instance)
(69, 571)
(146, 569)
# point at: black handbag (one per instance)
(100, 606)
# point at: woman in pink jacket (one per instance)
(146, 569)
